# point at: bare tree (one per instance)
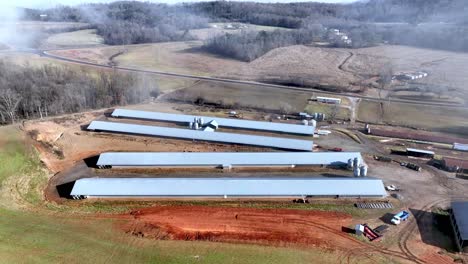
(333, 113)
(9, 101)
(285, 108)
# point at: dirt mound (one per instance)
(263, 226)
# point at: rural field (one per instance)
(234, 132)
(306, 66)
(79, 38)
(433, 118)
(62, 146)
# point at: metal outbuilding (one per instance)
(219, 159)
(459, 219)
(232, 138)
(420, 153)
(227, 187)
(329, 100)
(461, 147)
(222, 122)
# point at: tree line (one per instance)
(36, 92)
(128, 22)
(133, 22)
(249, 45)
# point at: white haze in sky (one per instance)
(8, 19)
(51, 3)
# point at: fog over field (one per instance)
(51, 3)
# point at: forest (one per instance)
(438, 24)
(36, 92)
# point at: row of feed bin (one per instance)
(312, 122)
(196, 124)
(359, 170)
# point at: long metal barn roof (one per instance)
(161, 159)
(273, 142)
(228, 187)
(222, 122)
(460, 213)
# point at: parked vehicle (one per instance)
(336, 149)
(413, 167)
(392, 188)
(368, 232)
(383, 158)
(401, 216)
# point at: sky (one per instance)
(51, 3)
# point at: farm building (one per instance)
(218, 121)
(459, 219)
(187, 134)
(328, 100)
(420, 153)
(455, 165)
(459, 146)
(227, 187)
(224, 159)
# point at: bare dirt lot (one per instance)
(241, 224)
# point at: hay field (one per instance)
(77, 38)
(297, 65)
(300, 65)
(221, 28)
(452, 120)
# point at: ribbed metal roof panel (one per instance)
(224, 158)
(222, 122)
(230, 187)
(273, 142)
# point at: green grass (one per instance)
(16, 157)
(21, 161)
(35, 238)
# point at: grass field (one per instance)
(221, 28)
(78, 38)
(34, 238)
(435, 118)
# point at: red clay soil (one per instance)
(262, 226)
(435, 258)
